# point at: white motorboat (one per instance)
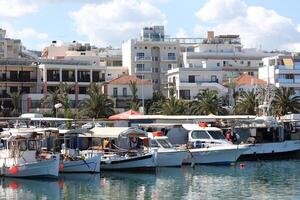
(137, 162)
(167, 155)
(270, 139)
(21, 155)
(86, 161)
(75, 160)
(127, 151)
(207, 145)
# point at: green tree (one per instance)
(151, 105)
(99, 105)
(170, 106)
(50, 99)
(246, 103)
(134, 104)
(285, 101)
(207, 102)
(16, 103)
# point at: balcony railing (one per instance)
(168, 58)
(18, 80)
(145, 70)
(143, 58)
(68, 79)
(286, 80)
(87, 79)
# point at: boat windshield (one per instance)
(164, 143)
(200, 135)
(154, 143)
(217, 135)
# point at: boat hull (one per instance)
(215, 155)
(137, 163)
(272, 151)
(44, 168)
(171, 158)
(90, 164)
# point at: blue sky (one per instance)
(270, 24)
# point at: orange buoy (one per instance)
(13, 185)
(242, 165)
(157, 133)
(203, 124)
(13, 170)
(60, 167)
(60, 183)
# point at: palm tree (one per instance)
(134, 104)
(170, 106)
(151, 105)
(16, 101)
(64, 90)
(247, 103)
(285, 101)
(98, 105)
(50, 99)
(207, 102)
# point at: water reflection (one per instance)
(265, 180)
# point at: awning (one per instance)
(115, 132)
(288, 62)
(124, 115)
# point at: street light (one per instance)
(57, 106)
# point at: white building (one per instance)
(151, 56)
(282, 71)
(248, 83)
(225, 51)
(189, 81)
(9, 48)
(119, 90)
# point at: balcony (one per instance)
(285, 80)
(168, 58)
(145, 70)
(18, 80)
(68, 79)
(84, 79)
(143, 58)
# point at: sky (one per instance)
(266, 24)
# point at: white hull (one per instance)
(90, 164)
(276, 149)
(143, 162)
(215, 155)
(44, 168)
(170, 158)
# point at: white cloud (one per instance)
(16, 8)
(181, 33)
(257, 26)
(221, 10)
(27, 35)
(109, 23)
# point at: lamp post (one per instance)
(57, 106)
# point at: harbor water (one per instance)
(250, 180)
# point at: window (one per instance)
(156, 69)
(154, 143)
(242, 62)
(214, 79)
(115, 92)
(218, 64)
(83, 76)
(184, 94)
(13, 89)
(124, 92)
(82, 90)
(191, 79)
(249, 63)
(140, 76)
(216, 134)
(171, 56)
(23, 145)
(31, 145)
(140, 67)
(164, 143)
(200, 135)
(52, 75)
(146, 47)
(169, 66)
(289, 76)
(140, 55)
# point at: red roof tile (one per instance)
(249, 80)
(125, 80)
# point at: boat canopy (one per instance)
(193, 127)
(115, 132)
(190, 117)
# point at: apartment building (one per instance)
(282, 71)
(17, 75)
(227, 52)
(120, 91)
(9, 48)
(151, 56)
(189, 81)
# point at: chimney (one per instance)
(210, 35)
